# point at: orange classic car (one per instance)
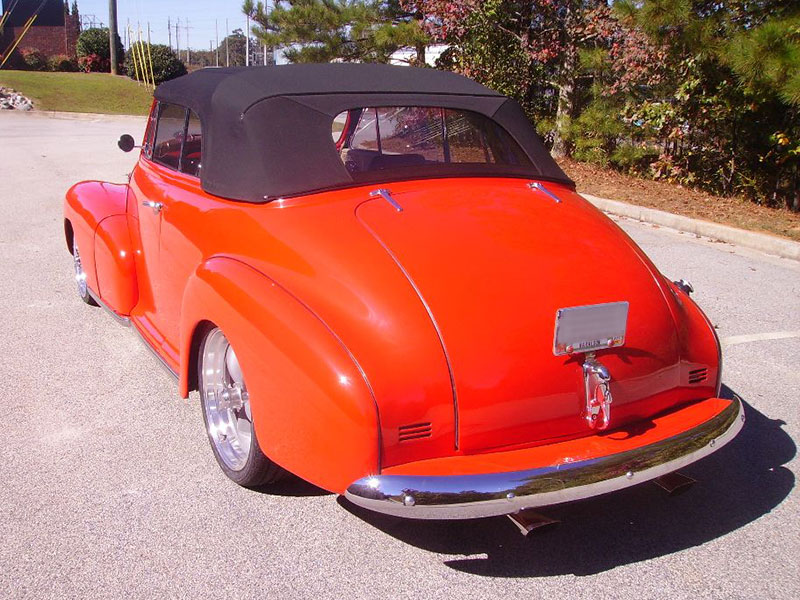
(379, 280)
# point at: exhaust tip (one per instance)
(528, 521)
(674, 483)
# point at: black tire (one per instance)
(249, 468)
(80, 277)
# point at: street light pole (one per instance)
(112, 34)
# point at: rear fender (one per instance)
(86, 204)
(313, 409)
(114, 264)
(700, 346)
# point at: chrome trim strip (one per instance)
(493, 494)
(127, 323)
(153, 351)
(118, 318)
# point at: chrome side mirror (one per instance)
(686, 286)
(126, 143)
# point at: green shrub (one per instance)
(94, 63)
(63, 63)
(633, 158)
(34, 60)
(590, 150)
(166, 64)
(94, 51)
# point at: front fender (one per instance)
(86, 204)
(114, 264)
(313, 410)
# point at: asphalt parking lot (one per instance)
(109, 488)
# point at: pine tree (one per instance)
(329, 30)
(767, 58)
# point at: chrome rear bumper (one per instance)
(491, 494)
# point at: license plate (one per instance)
(589, 328)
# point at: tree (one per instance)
(732, 123)
(94, 49)
(537, 44)
(700, 92)
(166, 64)
(483, 47)
(234, 47)
(327, 30)
(767, 58)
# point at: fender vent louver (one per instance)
(416, 431)
(698, 375)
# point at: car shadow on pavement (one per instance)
(291, 485)
(736, 485)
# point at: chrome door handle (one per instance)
(156, 206)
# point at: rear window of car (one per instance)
(403, 137)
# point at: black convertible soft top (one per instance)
(267, 130)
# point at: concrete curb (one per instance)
(76, 116)
(732, 235)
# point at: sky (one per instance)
(201, 15)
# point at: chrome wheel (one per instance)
(80, 276)
(225, 402)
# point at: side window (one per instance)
(192, 147)
(169, 135)
(365, 136)
(338, 128)
(150, 132)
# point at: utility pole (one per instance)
(216, 36)
(169, 32)
(187, 41)
(247, 43)
(178, 37)
(112, 34)
(150, 57)
(227, 49)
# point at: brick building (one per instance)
(55, 31)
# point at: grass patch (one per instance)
(80, 92)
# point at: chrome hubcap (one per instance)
(80, 276)
(226, 402)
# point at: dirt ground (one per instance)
(669, 197)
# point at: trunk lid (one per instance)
(493, 260)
